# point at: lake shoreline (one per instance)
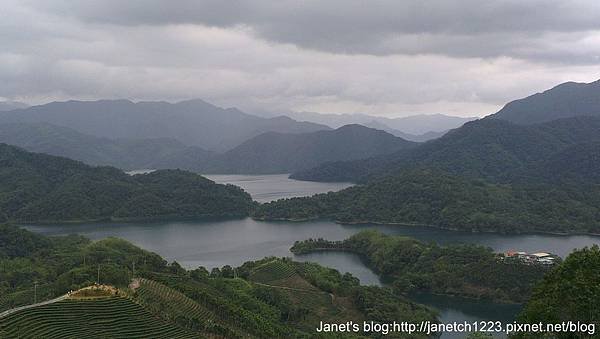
(416, 225)
(386, 278)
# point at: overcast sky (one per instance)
(391, 58)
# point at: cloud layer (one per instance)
(380, 57)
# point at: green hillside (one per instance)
(565, 100)
(269, 298)
(490, 149)
(489, 175)
(436, 198)
(39, 187)
(112, 317)
(570, 293)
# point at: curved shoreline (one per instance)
(364, 222)
(387, 278)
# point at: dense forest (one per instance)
(568, 293)
(489, 175)
(412, 266)
(43, 188)
(267, 298)
(435, 198)
(491, 149)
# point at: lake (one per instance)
(212, 243)
(265, 188)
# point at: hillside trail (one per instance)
(68, 295)
(20, 308)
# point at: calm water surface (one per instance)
(212, 243)
(265, 188)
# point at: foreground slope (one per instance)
(110, 317)
(269, 298)
(39, 187)
(570, 293)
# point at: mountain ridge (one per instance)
(193, 122)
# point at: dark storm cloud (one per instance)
(533, 29)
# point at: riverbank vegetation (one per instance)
(412, 266)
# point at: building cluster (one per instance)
(541, 258)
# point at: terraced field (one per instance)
(167, 301)
(273, 270)
(112, 317)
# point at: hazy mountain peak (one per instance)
(193, 122)
(568, 99)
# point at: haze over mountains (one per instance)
(127, 154)
(11, 105)
(193, 122)
(198, 136)
(419, 128)
(283, 153)
(494, 147)
(267, 153)
(160, 135)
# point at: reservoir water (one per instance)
(213, 243)
(265, 188)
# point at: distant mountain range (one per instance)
(193, 122)
(493, 149)
(270, 152)
(421, 127)
(127, 154)
(515, 171)
(497, 147)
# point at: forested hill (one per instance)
(429, 197)
(284, 153)
(466, 270)
(39, 187)
(565, 100)
(492, 149)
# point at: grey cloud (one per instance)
(388, 59)
(462, 28)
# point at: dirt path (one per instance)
(20, 308)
